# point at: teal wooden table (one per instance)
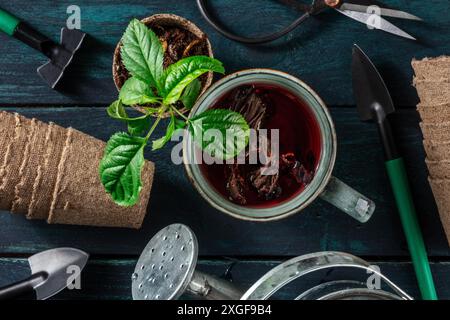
(320, 54)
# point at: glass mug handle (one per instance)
(348, 200)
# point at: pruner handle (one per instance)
(333, 3)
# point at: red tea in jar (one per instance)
(269, 107)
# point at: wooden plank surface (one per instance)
(111, 279)
(319, 227)
(319, 52)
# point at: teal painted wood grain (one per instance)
(319, 52)
(111, 279)
(319, 227)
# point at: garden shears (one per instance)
(364, 11)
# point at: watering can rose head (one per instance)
(159, 91)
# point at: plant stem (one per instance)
(155, 124)
(180, 114)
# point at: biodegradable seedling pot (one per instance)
(161, 23)
(50, 173)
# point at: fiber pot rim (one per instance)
(325, 164)
(167, 19)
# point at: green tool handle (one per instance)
(400, 186)
(8, 22)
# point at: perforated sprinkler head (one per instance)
(166, 270)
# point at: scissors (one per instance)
(371, 15)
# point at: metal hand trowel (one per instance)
(50, 273)
(374, 103)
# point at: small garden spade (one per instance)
(374, 103)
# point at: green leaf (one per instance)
(139, 127)
(190, 94)
(179, 124)
(180, 74)
(121, 167)
(136, 126)
(229, 133)
(161, 142)
(134, 91)
(116, 110)
(142, 53)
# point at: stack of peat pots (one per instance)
(50, 172)
(432, 81)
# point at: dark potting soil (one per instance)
(177, 43)
(269, 107)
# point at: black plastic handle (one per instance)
(34, 39)
(387, 138)
(257, 40)
(22, 289)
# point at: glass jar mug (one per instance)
(322, 185)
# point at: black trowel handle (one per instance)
(387, 138)
(22, 289)
(20, 30)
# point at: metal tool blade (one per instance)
(72, 39)
(52, 71)
(375, 22)
(59, 265)
(369, 89)
(382, 11)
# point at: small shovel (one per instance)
(374, 103)
(61, 55)
(50, 273)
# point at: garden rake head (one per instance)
(60, 54)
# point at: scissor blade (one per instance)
(382, 11)
(375, 22)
